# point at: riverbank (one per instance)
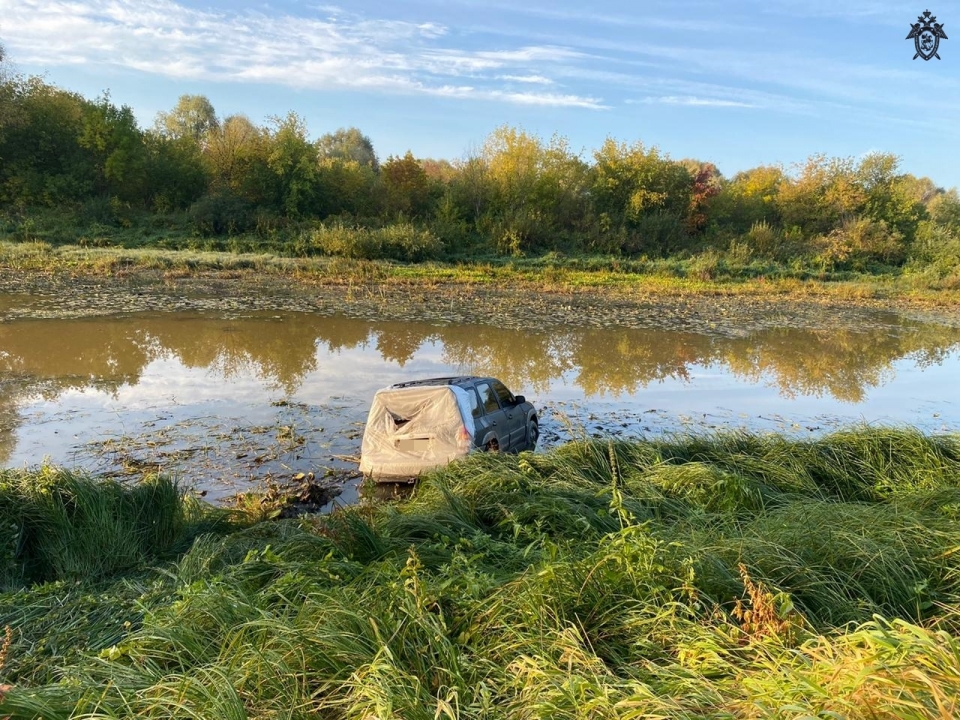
(704, 576)
(69, 281)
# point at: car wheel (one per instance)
(533, 434)
(492, 446)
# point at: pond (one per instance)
(226, 401)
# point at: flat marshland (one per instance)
(704, 576)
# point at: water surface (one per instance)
(225, 402)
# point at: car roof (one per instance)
(461, 380)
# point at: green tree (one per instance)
(470, 189)
(891, 197)
(117, 146)
(825, 193)
(537, 189)
(944, 210)
(348, 145)
(405, 186)
(641, 197)
(236, 158)
(293, 160)
(748, 198)
(43, 162)
(345, 187)
(192, 117)
(175, 170)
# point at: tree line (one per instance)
(518, 194)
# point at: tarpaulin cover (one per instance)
(413, 429)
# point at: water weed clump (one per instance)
(725, 576)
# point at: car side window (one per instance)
(488, 397)
(506, 397)
(474, 403)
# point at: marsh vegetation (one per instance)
(700, 576)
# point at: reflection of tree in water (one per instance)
(75, 353)
(38, 359)
(842, 364)
(278, 351)
(520, 359)
(47, 357)
(10, 399)
(622, 360)
(399, 342)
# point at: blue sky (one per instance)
(736, 83)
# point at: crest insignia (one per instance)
(926, 34)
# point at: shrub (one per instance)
(936, 246)
(656, 233)
(395, 242)
(220, 213)
(762, 239)
(857, 243)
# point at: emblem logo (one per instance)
(926, 35)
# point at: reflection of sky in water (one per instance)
(136, 375)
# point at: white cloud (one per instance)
(332, 49)
(532, 79)
(691, 100)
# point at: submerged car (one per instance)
(418, 425)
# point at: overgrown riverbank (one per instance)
(721, 576)
(69, 281)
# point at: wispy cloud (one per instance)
(531, 79)
(637, 17)
(690, 100)
(329, 49)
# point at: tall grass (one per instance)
(59, 525)
(729, 576)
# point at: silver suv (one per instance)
(418, 425)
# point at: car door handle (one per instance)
(494, 422)
(509, 417)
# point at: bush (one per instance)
(858, 243)
(220, 214)
(937, 246)
(657, 233)
(395, 242)
(762, 239)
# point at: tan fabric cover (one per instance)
(431, 437)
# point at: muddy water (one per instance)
(227, 402)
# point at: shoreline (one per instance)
(104, 283)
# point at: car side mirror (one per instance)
(519, 399)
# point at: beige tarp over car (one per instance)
(413, 429)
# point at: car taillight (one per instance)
(464, 434)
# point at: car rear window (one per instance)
(474, 403)
(488, 397)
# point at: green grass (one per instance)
(58, 525)
(726, 576)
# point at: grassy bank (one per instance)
(707, 274)
(720, 577)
